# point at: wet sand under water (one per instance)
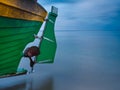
(85, 60)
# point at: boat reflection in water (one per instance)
(28, 82)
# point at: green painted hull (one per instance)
(48, 45)
(15, 34)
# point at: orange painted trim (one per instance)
(22, 9)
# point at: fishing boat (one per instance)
(19, 21)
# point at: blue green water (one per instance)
(85, 60)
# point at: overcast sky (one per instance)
(86, 14)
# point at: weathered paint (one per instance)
(22, 9)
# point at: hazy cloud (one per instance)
(88, 15)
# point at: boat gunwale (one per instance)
(32, 15)
(23, 10)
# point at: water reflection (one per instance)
(28, 82)
(38, 82)
(20, 86)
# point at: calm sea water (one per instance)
(85, 60)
